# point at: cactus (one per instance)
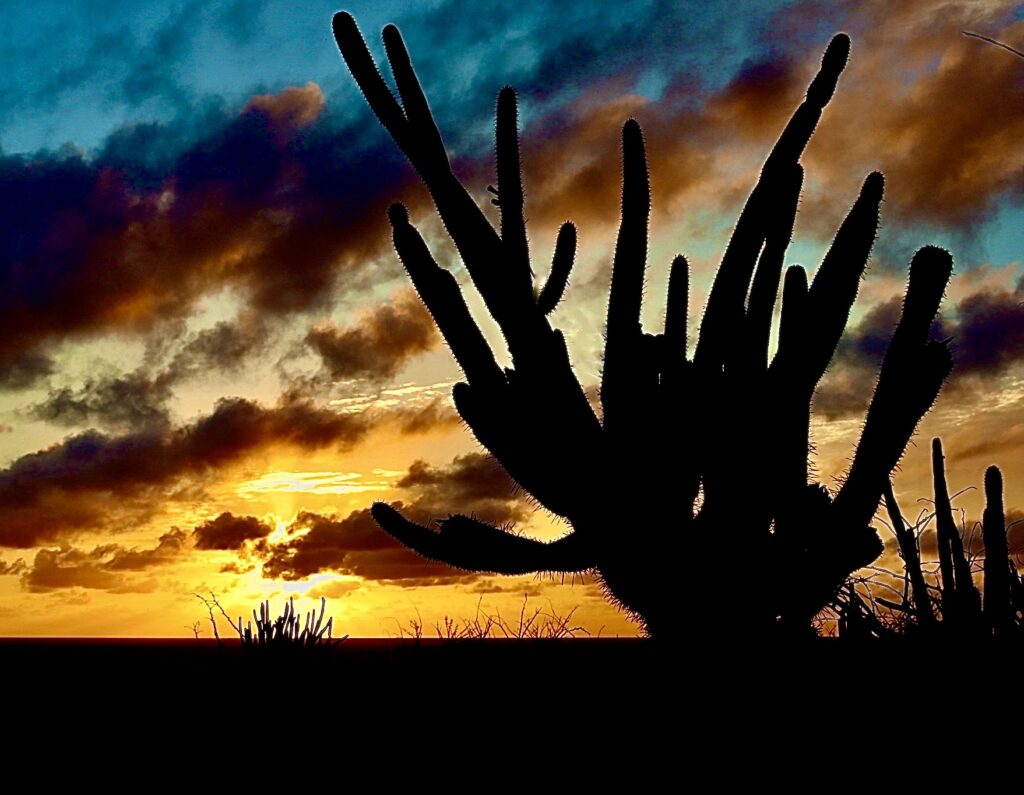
(690, 496)
(998, 606)
(962, 608)
(281, 634)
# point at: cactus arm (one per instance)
(765, 288)
(535, 450)
(510, 191)
(624, 334)
(798, 131)
(561, 266)
(912, 374)
(794, 414)
(472, 545)
(474, 237)
(834, 289)
(378, 96)
(441, 295)
(724, 311)
(424, 134)
(676, 313)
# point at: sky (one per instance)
(213, 363)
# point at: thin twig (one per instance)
(1006, 47)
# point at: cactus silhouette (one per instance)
(689, 497)
(962, 609)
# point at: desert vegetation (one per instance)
(707, 442)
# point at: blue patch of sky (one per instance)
(79, 69)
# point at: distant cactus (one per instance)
(287, 632)
(961, 608)
(690, 496)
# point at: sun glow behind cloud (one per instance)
(316, 483)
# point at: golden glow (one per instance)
(315, 483)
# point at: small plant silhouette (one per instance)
(268, 634)
(690, 496)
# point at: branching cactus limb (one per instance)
(727, 423)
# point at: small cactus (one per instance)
(963, 610)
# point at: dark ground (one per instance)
(629, 667)
(580, 705)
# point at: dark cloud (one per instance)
(106, 567)
(228, 531)
(169, 547)
(14, 567)
(436, 414)
(125, 402)
(987, 333)
(352, 545)
(86, 480)
(379, 343)
(472, 484)
(225, 347)
(139, 400)
(25, 370)
(281, 202)
(54, 569)
(94, 481)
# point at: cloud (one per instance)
(472, 484)
(986, 328)
(169, 547)
(25, 370)
(139, 399)
(223, 347)
(94, 481)
(103, 568)
(379, 343)
(352, 545)
(935, 111)
(988, 336)
(228, 531)
(293, 107)
(282, 203)
(130, 401)
(14, 567)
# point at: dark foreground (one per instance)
(583, 703)
(634, 668)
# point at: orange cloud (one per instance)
(379, 343)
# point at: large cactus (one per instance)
(689, 497)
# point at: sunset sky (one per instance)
(213, 363)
